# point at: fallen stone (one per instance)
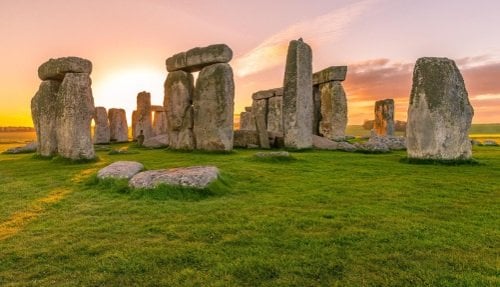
(196, 176)
(120, 170)
(439, 113)
(489, 143)
(56, 69)
(196, 59)
(158, 141)
(273, 154)
(298, 96)
(330, 74)
(326, 144)
(178, 100)
(101, 126)
(213, 108)
(27, 148)
(392, 142)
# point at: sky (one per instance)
(128, 42)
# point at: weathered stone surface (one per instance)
(330, 74)
(118, 125)
(266, 94)
(134, 124)
(213, 105)
(326, 144)
(197, 58)
(144, 121)
(372, 147)
(155, 108)
(333, 110)
(158, 141)
(101, 126)
(160, 123)
(76, 109)
(196, 176)
(27, 148)
(297, 96)
(392, 142)
(275, 114)
(316, 110)
(259, 110)
(245, 138)
(120, 170)
(55, 69)
(247, 121)
(439, 114)
(384, 117)
(179, 89)
(260, 125)
(44, 111)
(248, 109)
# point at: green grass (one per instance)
(323, 219)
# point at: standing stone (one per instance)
(274, 115)
(316, 110)
(44, 106)
(384, 117)
(298, 97)
(333, 110)
(159, 123)
(213, 105)
(118, 125)
(259, 111)
(144, 120)
(439, 114)
(247, 122)
(101, 126)
(179, 111)
(134, 124)
(76, 110)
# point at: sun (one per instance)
(119, 88)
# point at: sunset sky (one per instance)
(128, 42)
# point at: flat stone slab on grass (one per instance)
(195, 176)
(158, 141)
(120, 170)
(326, 144)
(273, 154)
(28, 148)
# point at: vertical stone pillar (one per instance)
(44, 106)
(298, 97)
(144, 118)
(118, 125)
(213, 105)
(384, 117)
(101, 126)
(333, 110)
(179, 87)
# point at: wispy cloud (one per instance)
(325, 28)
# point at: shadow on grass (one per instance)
(162, 192)
(408, 160)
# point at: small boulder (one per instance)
(195, 176)
(120, 170)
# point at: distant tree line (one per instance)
(16, 129)
(399, 126)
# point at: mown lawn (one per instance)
(324, 219)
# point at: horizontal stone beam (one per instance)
(55, 69)
(265, 94)
(330, 74)
(197, 58)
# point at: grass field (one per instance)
(324, 219)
